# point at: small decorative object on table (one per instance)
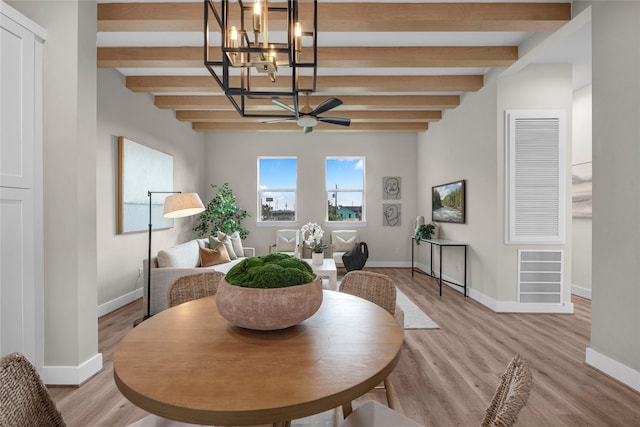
(312, 235)
(271, 292)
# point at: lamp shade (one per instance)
(182, 204)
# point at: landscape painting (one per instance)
(142, 169)
(447, 201)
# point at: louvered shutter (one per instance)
(535, 176)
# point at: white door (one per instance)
(17, 108)
(21, 260)
(17, 272)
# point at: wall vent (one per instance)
(540, 276)
(535, 177)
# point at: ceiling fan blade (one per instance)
(279, 120)
(335, 121)
(307, 129)
(326, 106)
(283, 105)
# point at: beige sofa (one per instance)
(178, 261)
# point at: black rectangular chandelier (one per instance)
(261, 50)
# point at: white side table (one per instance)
(326, 269)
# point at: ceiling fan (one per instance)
(308, 117)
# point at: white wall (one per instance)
(71, 331)
(581, 234)
(463, 146)
(615, 316)
(469, 144)
(124, 113)
(534, 87)
(232, 158)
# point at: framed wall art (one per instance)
(391, 214)
(447, 202)
(391, 188)
(582, 190)
(142, 169)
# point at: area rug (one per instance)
(414, 318)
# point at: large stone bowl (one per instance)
(268, 309)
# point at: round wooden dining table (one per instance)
(189, 364)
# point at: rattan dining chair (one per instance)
(193, 286)
(24, 399)
(375, 287)
(379, 289)
(509, 398)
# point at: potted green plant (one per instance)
(270, 292)
(222, 214)
(424, 232)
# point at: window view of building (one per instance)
(277, 181)
(345, 188)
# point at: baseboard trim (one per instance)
(581, 292)
(72, 375)
(502, 306)
(496, 306)
(613, 368)
(516, 307)
(121, 301)
(388, 264)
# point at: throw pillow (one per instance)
(209, 257)
(215, 241)
(286, 245)
(203, 243)
(236, 241)
(344, 245)
(184, 255)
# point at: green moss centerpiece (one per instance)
(271, 292)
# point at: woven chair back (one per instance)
(24, 399)
(193, 286)
(510, 396)
(375, 287)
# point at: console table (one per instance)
(440, 243)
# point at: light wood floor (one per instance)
(445, 377)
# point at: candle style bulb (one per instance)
(296, 41)
(234, 37)
(257, 11)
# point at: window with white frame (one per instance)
(277, 183)
(345, 189)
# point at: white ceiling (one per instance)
(575, 49)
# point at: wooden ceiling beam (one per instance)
(320, 127)
(444, 83)
(393, 116)
(330, 57)
(469, 16)
(325, 84)
(417, 56)
(351, 102)
(531, 17)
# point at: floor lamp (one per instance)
(178, 205)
